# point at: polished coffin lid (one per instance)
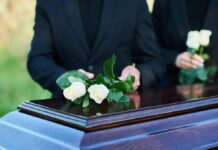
(144, 106)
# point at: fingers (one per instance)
(185, 61)
(88, 74)
(197, 62)
(136, 84)
(188, 61)
(130, 70)
(124, 75)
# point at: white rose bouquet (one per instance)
(196, 42)
(81, 91)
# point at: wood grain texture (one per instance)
(152, 105)
(155, 124)
(191, 131)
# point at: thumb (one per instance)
(124, 76)
(88, 74)
(121, 78)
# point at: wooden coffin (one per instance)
(184, 117)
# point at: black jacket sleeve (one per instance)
(169, 55)
(147, 54)
(41, 60)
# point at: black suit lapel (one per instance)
(109, 9)
(180, 17)
(71, 8)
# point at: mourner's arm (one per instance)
(41, 64)
(169, 55)
(172, 57)
(146, 53)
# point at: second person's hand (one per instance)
(187, 61)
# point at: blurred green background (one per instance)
(16, 23)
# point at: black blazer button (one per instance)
(90, 68)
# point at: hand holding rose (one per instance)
(191, 63)
(187, 61)
(196, 41)
(131, 70)
(82, 87)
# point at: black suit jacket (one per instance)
(59, 42)
(171, 25)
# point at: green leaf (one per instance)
(108, 67)
(130, 80)
(89, 82)
(211, 71)
(187, 76)
(114, 96)
(77, 101)
(74, 79)
(198, 75)
(192, 50)
(86, 101)
(122, 86)
(202, 74)
(99, 79)
(206, 56)
(124, 99)
(69, 77)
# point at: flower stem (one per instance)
(201, 50)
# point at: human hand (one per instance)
(131, 70)
(88, 74)
(187, 61)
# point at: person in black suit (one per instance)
(82, 34)
(172, 20)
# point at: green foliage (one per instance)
(202, 74)
(114, 96)
(122, 86)
(212, 70)
(101, 79)
(116, 87)
(108, 67)
(16, 86)
(86, 101)
(198, 75)
(192, 50)
(124, 99)
(69, 77)
(130, 80)
(206, 56)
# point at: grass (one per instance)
(16, 86)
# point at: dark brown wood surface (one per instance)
(148, 105)
(187, 130)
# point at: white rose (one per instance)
(98, 92)
(193, 40)
(205, 37)
(75, 91)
